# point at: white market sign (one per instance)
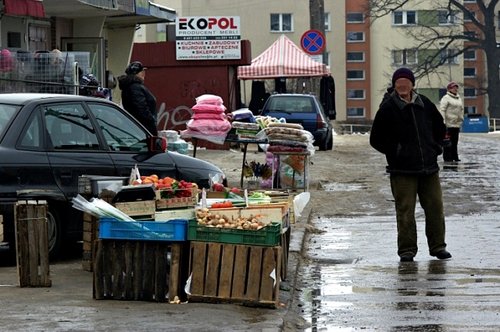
(208, 38)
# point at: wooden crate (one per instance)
(90, 235)
(32, 245)
(234, 273)
(140, 270)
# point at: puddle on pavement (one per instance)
(354, 279)
(335, 186)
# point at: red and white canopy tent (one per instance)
(282, 59)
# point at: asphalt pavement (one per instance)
(343, 273)
(351, 278)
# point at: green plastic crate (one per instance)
(268, 236)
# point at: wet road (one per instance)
(352, 279)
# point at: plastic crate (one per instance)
(267, 236)
(172, 230)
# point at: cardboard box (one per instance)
(267, 212)
(137, 208)
(165, 215)
(176, 202)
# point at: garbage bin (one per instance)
(475, 123)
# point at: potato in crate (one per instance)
(264, 235)
(172, 230)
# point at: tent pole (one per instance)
(245, 91)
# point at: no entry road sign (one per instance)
(313, 42)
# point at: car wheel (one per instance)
(329, 146)
(54, 232)
(327, 143)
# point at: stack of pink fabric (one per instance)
(209, 121)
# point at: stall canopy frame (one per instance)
(282, 59)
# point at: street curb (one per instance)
(297, 241)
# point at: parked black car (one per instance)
(47, 141)
(304, 109)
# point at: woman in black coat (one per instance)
(136, 97)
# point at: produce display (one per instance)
(257, 169)
(214, 219)
(221, 205)
(169, 187)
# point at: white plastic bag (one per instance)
(299, 203)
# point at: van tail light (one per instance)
(320, 122)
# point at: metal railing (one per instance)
(350, 128)
(494, 124)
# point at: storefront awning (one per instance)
(32, 8)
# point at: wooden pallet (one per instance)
(140, 270)
(234, 273)
(32, 246)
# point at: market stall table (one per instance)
(305, 170)
(243, 141)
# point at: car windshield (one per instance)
(291, 104)
(6, 114)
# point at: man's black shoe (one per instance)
(442, 254)
(406, 258)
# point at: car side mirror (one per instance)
(157, 144)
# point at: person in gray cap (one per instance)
(409, 130)
(136, 97)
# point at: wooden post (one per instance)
(32, 246)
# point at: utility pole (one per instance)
(317, 19)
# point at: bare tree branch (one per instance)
(475, 32)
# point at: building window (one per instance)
(469, 15)
(355, 56)
(355, 94)
(281, 23)
(469, 93)
(355, 18)
(470, 55)
(446, 17)
(470, 34)
(470, 109)
(355, 37)
(355, 112)
(404, 17)
(469, 72)
(38, 37)
(328, 24)
(13, 39)
(404, 57)
(355, 74)
(449, 56)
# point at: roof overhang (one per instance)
(33, 8)
(117, 15)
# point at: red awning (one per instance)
(282, 59)
(24, 8)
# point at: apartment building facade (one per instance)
(361, 52)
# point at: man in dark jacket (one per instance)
(409, 130)
(136, 97)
